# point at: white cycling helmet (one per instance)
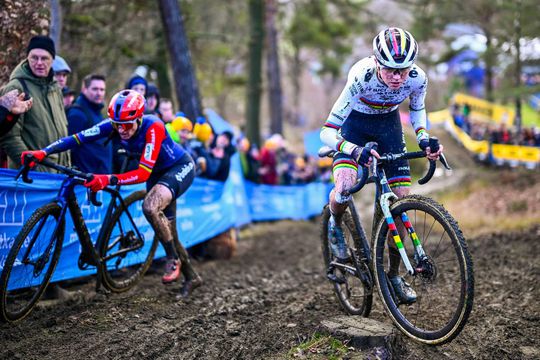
(395, 48)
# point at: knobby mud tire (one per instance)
(7, 297)
(364, 308)
(459, 316)
(112, 278)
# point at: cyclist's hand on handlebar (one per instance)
(363, 155)
(424, 145)
(99, 182)
(38, 155)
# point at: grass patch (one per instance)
(319, 347)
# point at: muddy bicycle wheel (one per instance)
(443, 281)
(31, 263)
(126, 255)
(354, 295)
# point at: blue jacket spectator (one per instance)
(94, 157)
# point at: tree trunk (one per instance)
(273, 70)
(185, 81)
(488, 56)
(517, 25)
(296, 77)
(56, 23)
(254, 89)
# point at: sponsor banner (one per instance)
(500, 154)
(485, 110)
(205, 210)
(298, 202)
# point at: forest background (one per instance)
(271, 66)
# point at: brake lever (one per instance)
(443, 160)
(23, 171)
(92, 196)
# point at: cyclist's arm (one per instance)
(340, 111)
(98, 131)
(417, 110)
(154, 137)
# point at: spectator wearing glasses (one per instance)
(46, 120)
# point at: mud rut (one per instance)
(270, 297)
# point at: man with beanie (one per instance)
(46, 120)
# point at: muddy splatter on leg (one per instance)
(154, 205)
(187, 269)
(344, 179)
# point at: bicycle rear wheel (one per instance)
(31, 263)
(354, 295)
(444, 282)
(127, 256)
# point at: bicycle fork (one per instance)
(419, 251)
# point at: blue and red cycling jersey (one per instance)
(158, 151)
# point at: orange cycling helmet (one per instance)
(126, 106)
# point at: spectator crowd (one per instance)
(494, 133)
(52, 110)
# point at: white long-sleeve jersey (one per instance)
(366, 93)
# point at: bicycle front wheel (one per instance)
(443, 280)
(126, 255)
(354, 293)
(31, 263)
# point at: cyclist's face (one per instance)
(393, 78)
(126, 130)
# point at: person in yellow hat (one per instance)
(203, 132)
(183, 128)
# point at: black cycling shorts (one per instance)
(386, 131)
(178, 178)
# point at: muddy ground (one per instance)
(271, 297)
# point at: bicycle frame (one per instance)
(384, 196)
(66, 199)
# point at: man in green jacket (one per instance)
(46, 121)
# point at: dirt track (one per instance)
(268, 299)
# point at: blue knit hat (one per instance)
(135, 80)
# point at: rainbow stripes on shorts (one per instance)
(399, 181)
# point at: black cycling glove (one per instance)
(361, 155)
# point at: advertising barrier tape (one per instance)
(205, 210)
(485, 110)
(500, 154)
